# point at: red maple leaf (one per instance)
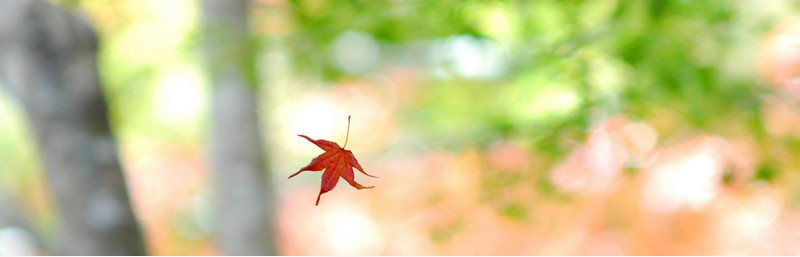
(337, 162)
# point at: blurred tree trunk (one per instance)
(48, 59)
(245, 218)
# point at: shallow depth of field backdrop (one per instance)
(496, 127)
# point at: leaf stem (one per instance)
(348, 132)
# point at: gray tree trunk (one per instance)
(245, 218)
(48, 60)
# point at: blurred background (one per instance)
(496, 127)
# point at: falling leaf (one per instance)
(336, 161)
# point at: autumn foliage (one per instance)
(337, 162)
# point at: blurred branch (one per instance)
(245, 218)
(48, 59)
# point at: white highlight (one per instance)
(350, 232)
(15, 241)
(180, 97)
(692, 181)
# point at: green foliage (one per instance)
(610, 56)
(766, 172)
